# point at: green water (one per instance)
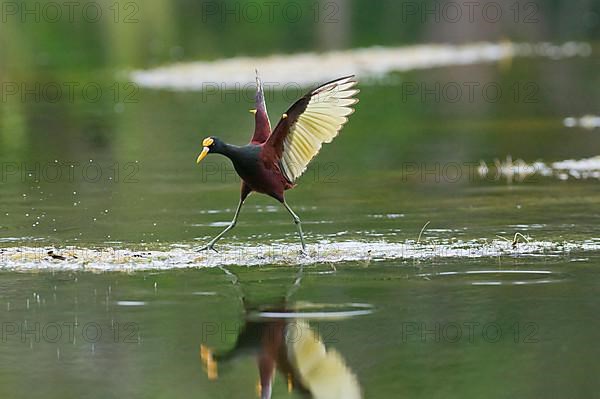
(119, 172)
(82, 173)
(360, 189)
(409, 346)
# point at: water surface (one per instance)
(413, 277)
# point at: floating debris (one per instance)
(515, 240)
(589, 122)
(520, 171)
(101, 260)
(55, 256)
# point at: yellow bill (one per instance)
(209, 363)
(203, 154)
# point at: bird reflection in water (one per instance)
(292, 347)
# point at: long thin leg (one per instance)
(298, 225)
(296, 285)
(211, 244)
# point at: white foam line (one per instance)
(532, 282)
(487, 283)
(589, 122)
(109, 259)
(580, 169)
(508, 272)
(475, 272)
(307, 69)
(131, 303)
(313, 315)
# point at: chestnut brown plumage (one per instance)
(272, 162)
(290, 346)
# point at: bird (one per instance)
(292, 347)
(273, 160)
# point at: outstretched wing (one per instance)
(313, 120)
(262, 128)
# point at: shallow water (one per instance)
(425, 321)
(457, 307)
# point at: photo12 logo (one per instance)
(237, 92)
(70, 92)
(69, 332)
(470, 12)
(290, 12)
(469, 332)
(469, 92)
(224, 172)
(68, 11)
(326, 332)
(69, 171)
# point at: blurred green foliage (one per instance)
(46, 36)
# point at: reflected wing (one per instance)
(262, 129)
(313, 120)
(323, 372)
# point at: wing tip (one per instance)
(258, 80)
(260, 97)
(337, 82)
(349, 77)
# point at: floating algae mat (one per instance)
(111, 259)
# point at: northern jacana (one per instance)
(291, 347)
(273, 161)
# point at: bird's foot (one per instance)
(303, 252)
(210, 246)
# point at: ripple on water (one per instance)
(496, 277)
(316, 311)
(131, 303)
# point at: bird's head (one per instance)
(210, 144)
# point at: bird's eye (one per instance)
(208, 142)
